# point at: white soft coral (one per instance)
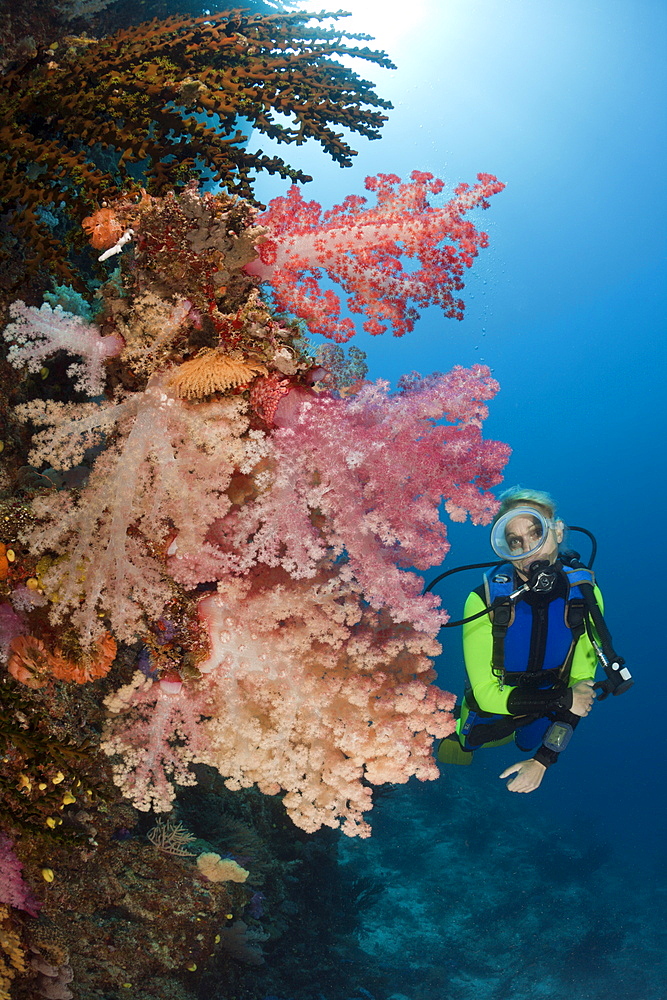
(36, 334)
(167, 472)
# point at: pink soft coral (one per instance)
(13, 890)
(316, 695)
(156, 743)
(362, 480)
(306, 691)
(167, 470)
(360, 249)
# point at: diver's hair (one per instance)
(518, 495)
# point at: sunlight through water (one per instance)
(391, 22)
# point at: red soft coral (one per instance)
(360, 248)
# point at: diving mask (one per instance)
(520, 533)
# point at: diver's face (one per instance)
(523, 533)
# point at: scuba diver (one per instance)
(533, 635)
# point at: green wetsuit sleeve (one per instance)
(584, 661)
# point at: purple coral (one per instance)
(13, 890)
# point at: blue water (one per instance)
(564, 102)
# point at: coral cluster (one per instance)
(211, 529)
(223, 454)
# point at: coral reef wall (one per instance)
(213, 528)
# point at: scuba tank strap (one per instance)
(576, 612)
(575, 619)
(575, 616)
(502, 617)
(498, 590)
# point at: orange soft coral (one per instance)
(29, 661)
(103, 228)
(4, 562)
(89, 667)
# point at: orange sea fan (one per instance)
(103, 228)
(209, 372)
(29, 661)
(32, 664)
(92, 665)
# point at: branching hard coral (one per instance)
(168, 471)
(139, 96)
(360, 249)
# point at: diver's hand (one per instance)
(529, 774)
(583, 697)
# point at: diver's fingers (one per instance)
(511, 770)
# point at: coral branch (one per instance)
(312, 693)
(362, 480)
(168, 94)
(156, 744)
(36, 334)
(170, 471)
(361, 248)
